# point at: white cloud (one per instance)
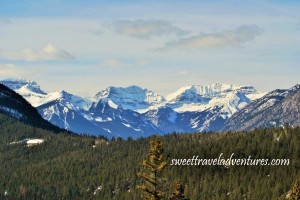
(143, 29)
(118, 64)
(47, 53)
(114, 63)
(183, 73)
(9, 70)
(241, 35)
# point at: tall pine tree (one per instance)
(178, 191)
(153, 167)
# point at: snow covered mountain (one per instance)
(214, 90)
(274, 109)
(209, 116)
(31, 91)
(23, 85)
(199, 108)
(132, 98)
(187, 94)
(98, 116)
(120, 122)
(197, 97)
(135, 111)
(65, 110)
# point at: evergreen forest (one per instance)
(68, 166)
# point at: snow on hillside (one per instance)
(12, 112)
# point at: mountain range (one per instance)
(138, 112)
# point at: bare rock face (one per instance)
(276, 108)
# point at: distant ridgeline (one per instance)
(137, 112)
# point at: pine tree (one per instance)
(178, 193)
(154, 165)
(295, 191)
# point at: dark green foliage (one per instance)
(68, 167)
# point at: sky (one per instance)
(85, 46)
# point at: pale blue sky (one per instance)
(85, 46)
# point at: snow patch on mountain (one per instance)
(172, 117)
(99, 119)
(231, 102)
(112, 104)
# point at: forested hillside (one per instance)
(67, 166)
(14, 105)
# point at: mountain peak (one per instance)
(24, 85)
(200, 93)
(112, 90)
(69, 100)
(187, 94)
(132, 97)
(219, 89)
(295, 87)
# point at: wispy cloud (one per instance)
(145, 29)
(9, 70)
(183, 73)
(143, 62)
(233, 38)
(114, 63)
(5, 21)
(96, 31)
(48, 53)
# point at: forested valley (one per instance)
(68, 166)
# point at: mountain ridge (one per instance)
(264, 112)
(138, 112)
